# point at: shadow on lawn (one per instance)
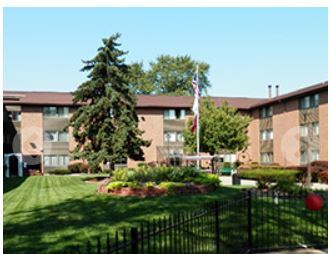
(12, 183)
(50, 229)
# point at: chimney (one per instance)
(277, 90)
(269, 89)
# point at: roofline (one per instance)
(297, 93)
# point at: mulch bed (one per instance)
(156, 191)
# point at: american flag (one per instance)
(195, 107)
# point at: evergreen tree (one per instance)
(105, 126)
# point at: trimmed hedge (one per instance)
(59, 171)
(78, 167)
(154, 174)
(265, 177)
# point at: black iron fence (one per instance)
(251, 221)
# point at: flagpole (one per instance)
(198, 126)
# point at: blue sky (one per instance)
(247, 48)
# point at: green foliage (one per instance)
(168, 75)
(287, 186)
(205, 179)
(149, 184)
(105, 126)
(59, 171)
(154, 174)
(171, 187)
(78, 167)
(221, 128)
(117, 185)
(265, 177)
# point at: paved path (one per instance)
(300, 251)
(227, 180)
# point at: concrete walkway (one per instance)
(300, 251)
(227, 181)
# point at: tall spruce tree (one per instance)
(105, 126)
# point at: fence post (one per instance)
(134, 240)
(249, 219)
(217, 227)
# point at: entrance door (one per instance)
(13, 166)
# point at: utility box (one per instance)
(235, 179)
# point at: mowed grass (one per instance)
(46, 214)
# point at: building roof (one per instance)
(153, 101)
(297, 93)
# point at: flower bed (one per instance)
(158, 181)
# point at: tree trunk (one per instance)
(111, 168)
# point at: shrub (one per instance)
(205, 179)
(265, 176)
(149, 185)
(154, 174)
(117, 185)
(78, 167)
(59, 171)
(287, 186)
(171, 187)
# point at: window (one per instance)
(170, 136)
(63, 136)
(266, 157)
(316, 129)
(51, 136)
(309, 101)
(56, 160)
(180, 137)
(56, 111)
(15, 116)
(303, 131)
(174, 114)
(266, 112)
(266, 134)
(303, 157)
(173, 137)
(315, 155)
(55, 136)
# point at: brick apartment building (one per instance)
(35, 136)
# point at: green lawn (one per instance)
(44, 214)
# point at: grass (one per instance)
(43, 214)
(46, 214)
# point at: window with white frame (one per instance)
(56, 160)
(56, 111)
(315, 155)
(266, 135)
(266, 112)
(303, 157)
(170, 136)
(310, 101)
(56, 136)
(316, 129)
(174, 114)
(303, 131)
(267, 157)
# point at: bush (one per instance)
(154, 174)
(78, 167)
(59, 171)
(205, 179)
(171, 187)
(287, 186)
(117, 185)
(265, 176)
(149, 184)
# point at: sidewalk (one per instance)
(227, 181)
(300, 251)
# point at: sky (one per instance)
(247, 48)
